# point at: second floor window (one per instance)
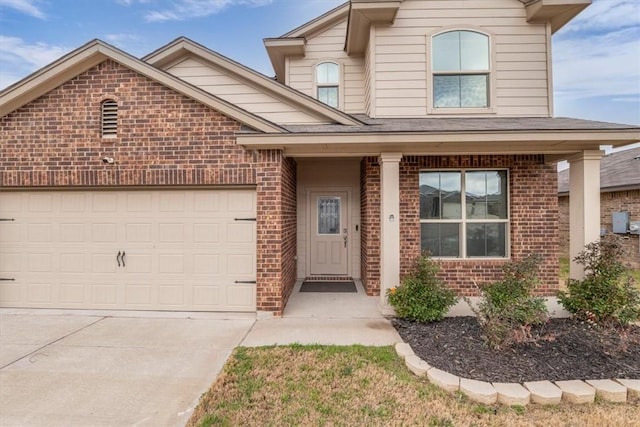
(461, 67)
(328, 83)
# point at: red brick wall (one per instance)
(533, 218)
(610, 202)
(370, 225)
(164, 138)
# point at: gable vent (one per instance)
(109, 118)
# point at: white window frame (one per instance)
(339, 85)
(463, 221)
(491, 72)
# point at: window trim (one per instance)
(339, 85)
(491, 81)
(463, 221)
(105, 131)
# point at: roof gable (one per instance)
(97, 51)
(183, 48)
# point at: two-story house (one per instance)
(186, 181)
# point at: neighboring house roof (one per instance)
(97, 51)
(182, 48)
(618, 172)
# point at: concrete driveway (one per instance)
(88, 369)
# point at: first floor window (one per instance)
(464, 214)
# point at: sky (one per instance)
(596, 57)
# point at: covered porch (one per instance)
(365, 168)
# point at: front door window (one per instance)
(328, 215)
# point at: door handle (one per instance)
(123, 255)
(118, 258)
(344, 237)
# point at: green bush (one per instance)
(422, 296)
(606, 296)
(507, 308)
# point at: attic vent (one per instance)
(109, 118)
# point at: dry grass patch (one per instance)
(354, 386)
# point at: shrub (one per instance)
(507, 308)
(606, 296)
(422, 296)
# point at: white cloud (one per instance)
(22, 58)
(598, 54)
(605, 15)
(28, 7)
(185, 9)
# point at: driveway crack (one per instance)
(53, 342)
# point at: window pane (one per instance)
(446, 91)
(328, 73)
(473, 91)
(328, 215)
(441, 240)
(474, 51)
(328, 95)
(446, 51)
(440, 195)
(486, 240)
(486, 194)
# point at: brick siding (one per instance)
(533, 218)
(164, 138)
(616, 201)
(370, 225)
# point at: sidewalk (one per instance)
(325, 318)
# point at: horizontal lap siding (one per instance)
(329, 45)
(239, 93)
(521, 82)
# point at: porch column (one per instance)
(584, 205)
(389, 224)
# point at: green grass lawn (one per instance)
(363, 386)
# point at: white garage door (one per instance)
(134, 250)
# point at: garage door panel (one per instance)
(72, 295)
(73, 232)
(139, 232)
(40, 203)
(184, 250)
(11, 231)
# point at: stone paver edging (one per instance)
(542, 392)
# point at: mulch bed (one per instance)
(564, 349)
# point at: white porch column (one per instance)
(389, 224)
(584, 205)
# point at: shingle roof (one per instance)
(444, 125)
(618, 171)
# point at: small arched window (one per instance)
(461, 68)
(109, 118)
(328, 83)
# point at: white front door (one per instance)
(329, 237)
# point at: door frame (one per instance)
(309, 226)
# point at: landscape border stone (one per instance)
(539, 392)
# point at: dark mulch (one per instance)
(564, 349)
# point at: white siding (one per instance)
(329, 45)
(240, 93)
(521, 84)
